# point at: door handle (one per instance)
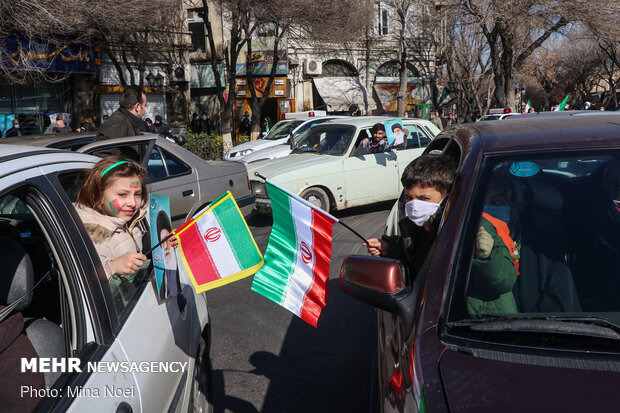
(124, 407)
(188, 192)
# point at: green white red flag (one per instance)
(216, 245)
(297, 259)
(562, 106)
(527, 107)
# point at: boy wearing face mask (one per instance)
(426, 181)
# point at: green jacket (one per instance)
(491, 279)
(413, 244)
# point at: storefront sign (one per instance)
(278, 87)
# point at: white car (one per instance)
(74, 315)
(497, 116)
(329, 169)
(279, 134)
(284, 149)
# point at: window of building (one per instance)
(383, 20)
(198, 36)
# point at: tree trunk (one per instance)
(402, 90)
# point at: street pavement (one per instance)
(265, 359)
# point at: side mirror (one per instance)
(291, 141)
(377, 281)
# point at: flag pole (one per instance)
(343, 224)
(159, 243)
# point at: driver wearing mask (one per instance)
(426, 181)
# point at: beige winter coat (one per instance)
(111, 235)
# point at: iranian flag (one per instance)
(297, 259)
(527, 108)
(216, 245)
(562, 105)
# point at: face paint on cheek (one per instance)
(134, 184)
(115, 207)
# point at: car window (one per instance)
(282, 130)
(333, 140)
(162, 165)
(122, 288)
(134, 152)
(174, 165)
(417, 137)
(30, 261)
(544, 242)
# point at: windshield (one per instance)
(542, 243)
(282, 130)
(330, 140)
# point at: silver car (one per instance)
(189, 181)
(133, 351)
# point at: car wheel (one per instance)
(316, 196)
(201, 396)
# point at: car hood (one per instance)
(320, 165)
(257, 144)
(276, 151)
(476, 384)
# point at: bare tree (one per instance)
(283, 18)
(130, 33)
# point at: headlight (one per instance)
(246, 152)
(258, 189)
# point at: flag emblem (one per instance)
(213, 234)
(306, 254)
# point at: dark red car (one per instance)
(445, 343)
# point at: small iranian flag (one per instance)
(562, 106)
(217, 247)
(297, 259)
(527, 108)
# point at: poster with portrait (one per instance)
(164, 256)
(394, 132)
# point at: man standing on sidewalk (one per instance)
(127, 119)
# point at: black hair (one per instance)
(163, 222)
(397, 126)
(430, 170)
(148, 120)
(158, 118)
(377, 127)
(131, 95)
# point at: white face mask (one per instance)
(420, 211)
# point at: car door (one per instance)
(370, 177)
(170, 176)
(67, 314)
(159, 337)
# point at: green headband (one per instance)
(114, 165)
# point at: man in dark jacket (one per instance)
(14, 131)
(160, 127)
(126, 120)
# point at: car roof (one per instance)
(363, 121)
(69, 139)
(11, 152)
(585, 129)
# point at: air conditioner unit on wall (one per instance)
(313, 67)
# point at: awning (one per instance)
(339, 93)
